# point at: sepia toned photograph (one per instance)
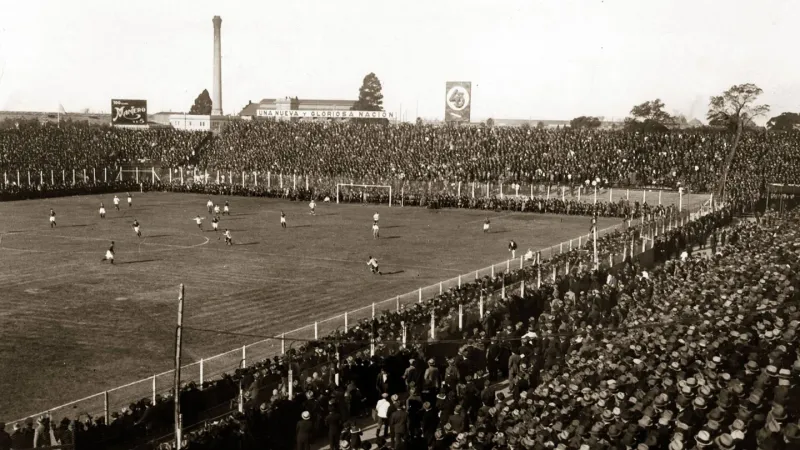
(419, 225)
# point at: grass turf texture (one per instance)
(71, 325)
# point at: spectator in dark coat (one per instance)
(304, 432)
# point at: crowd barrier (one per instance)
(112, 400)
(152, 174)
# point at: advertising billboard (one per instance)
(323, 114)
(128, 112)
(457, 101)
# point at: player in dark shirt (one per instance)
(110, 254)
(136, 228)
(512, 247)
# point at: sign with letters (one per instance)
(457, 101)
(323, 114)
(128, 112)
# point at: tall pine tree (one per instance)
(370, 98)
(202, 104)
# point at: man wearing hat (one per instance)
(334, 423)
(304, 432)
(398, 424)
(383, 411)
(430, 422)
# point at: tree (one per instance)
(540, 125)
(370, 97)
(737, 106)
(652, 111)
(490, 122)
(202, 104)
(585, 122)
(787, 121)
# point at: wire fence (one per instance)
(214, 367)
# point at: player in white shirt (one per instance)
(135, 226)
(210, 205)
(130, 200)
(102, 211)
(199, 221)
(109, 254)
(313, 207)
(216, 210)
(228, 237)
(486, 225)
(226, 209)
(373, 265)
(283, 220)
(529, 256)
(375, 230)
(376, 217)
(52, 218)
(116, 203)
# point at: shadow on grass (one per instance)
(135, 262)
(393, 273)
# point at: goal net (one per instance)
(363, 193)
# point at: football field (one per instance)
(72, 325)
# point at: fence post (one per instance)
(244, 356)
(579, 194)
(294, 181)
(397, 301)
(480, 306)
(280, 178)
(610, 260)
(5, 178)
(433, 325)
(473, 189)
(29, 178)
(548, 191)
(283, 343)
(154, 390)
(306, 182)
(94, 174)
(627, 194)
(595, 194)
(316, 330)
(137, 174)
(487, 189)
(644, 196)
(73, 176)
(255, 178)
(460, 317)
(476, 275)
(345, 321)
(508, 265)
(580, 243)
(563, 193)
(105, 406)
(373, 310)
(405, 333)
(459, 281)
(243, 179)
(202, 372)
(539, 277)
(610, 195)
(566, 267)
(554, 273)
(492, 270)
(459, 189)
(290, 381)
(269, 179)
(522, 289)
(420, 295)
(644, 244)
(659, 196)
(560, 248)
(440, 288)
(52, 178)
(230, 177)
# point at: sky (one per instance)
(531, 59)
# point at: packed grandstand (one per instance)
(689, 347)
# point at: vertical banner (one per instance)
(458, 101)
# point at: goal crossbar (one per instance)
(364, 186)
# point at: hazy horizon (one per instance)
(525, 59)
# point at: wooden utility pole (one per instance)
(178, 342)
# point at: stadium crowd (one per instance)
(689, 158)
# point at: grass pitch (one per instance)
(72, 326)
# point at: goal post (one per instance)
(365, 186)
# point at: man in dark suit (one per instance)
(398, 423)
(305, 431)
(334, 423)
(430, 422)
